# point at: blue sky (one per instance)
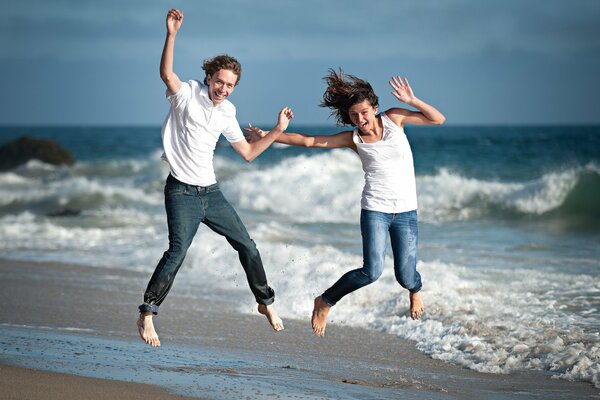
(480, 62)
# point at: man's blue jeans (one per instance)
(187, 206)
(375, 227)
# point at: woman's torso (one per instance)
(389, 171)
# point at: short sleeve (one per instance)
(233, 133)
(180, 99)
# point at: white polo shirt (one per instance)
(191, 131)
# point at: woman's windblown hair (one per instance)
(343, 91)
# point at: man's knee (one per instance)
(246, 247)
(176, 253)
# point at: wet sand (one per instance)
(80, 321)
(22, 383)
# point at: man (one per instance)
(199, 114)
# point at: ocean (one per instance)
(509, 245)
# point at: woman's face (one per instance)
(362, 115)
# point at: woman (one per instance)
(389, 199)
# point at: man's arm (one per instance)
(249, 151)
(174, 21)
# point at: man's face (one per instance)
(220, 85)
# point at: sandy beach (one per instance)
(66, 328)
(23, 383)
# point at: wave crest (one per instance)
(570, 194)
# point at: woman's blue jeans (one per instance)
(375, 227)
(187, 206)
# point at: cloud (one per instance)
(310, 30)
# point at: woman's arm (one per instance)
(427, 114)
(339, 140)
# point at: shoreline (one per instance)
(210, 351)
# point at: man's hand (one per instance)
(174, 20)
(284, 118)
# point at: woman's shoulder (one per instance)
(396, 112)
(396, 115)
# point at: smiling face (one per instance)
(363, 116)
(220, 85)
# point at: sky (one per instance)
(492, 62)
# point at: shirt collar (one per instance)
(205, 98)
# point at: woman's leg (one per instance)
(374, 227)
(404, 235)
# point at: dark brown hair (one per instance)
(343, 91)
(224, 61)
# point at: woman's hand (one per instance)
(255, 133)
(402, 90)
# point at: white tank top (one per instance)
(390, 185)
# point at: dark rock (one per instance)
(19, 151)
(67, 212)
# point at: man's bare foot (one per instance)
(146, 328)
(417, 308)
(269, 312)
(319, 316)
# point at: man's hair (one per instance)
(213, 65)
(343, 91)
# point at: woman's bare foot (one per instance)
(319, 316)
(417, 308)
(269, 312)
(146, 328)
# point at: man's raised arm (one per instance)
(174, 21)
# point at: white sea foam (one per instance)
(484, 320)
(447, 195)
(321, 188)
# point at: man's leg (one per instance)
(404, 234)
(184, 213)
(222, 219)
(374, 227)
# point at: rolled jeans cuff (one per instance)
(146, 308)
(416, 290)
(269, 300)
(327, 300)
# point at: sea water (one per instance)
(509, 245)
